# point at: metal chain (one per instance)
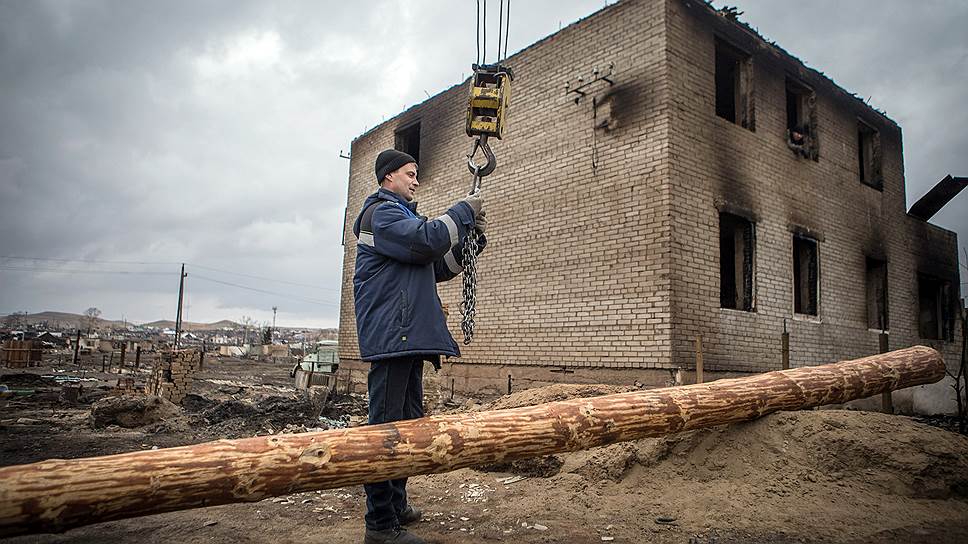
(468, 307)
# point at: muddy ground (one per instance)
(810, 476)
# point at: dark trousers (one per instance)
(396, 393)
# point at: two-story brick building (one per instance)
(713, 186)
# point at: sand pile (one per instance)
(789, 453)
(833, 474)
(552, 393)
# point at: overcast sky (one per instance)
(137, 135)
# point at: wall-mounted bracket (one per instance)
(583, 87)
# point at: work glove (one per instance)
(476, 201)
(480, 222)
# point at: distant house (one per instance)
(52, 339)
(231, 351)
(221, 340)
(270, 350)
(87, 343)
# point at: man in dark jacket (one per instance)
(400, 257)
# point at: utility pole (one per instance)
(181, 295)
(77, 345)
(274, 308)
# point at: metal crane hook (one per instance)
(480, 171)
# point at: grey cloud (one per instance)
(142, 131)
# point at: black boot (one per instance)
(396, 535)
(410, 515)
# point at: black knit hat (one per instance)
(389, 160)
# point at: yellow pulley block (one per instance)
(487, 106)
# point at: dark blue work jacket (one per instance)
(400, 257)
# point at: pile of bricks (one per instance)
(125, 386)
(172, 375)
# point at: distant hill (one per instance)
(189, 326)
(74, 321)
(65, 320)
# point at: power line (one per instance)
(79, 271)
(94, 261)
(156, 263)
(257, 290)
(297, 284)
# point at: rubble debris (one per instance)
(330, 423)
(236, 418)
(345, 404)
(26, 379)
(70, 394)
(193, 403)
(131, 412)
(69, 379)
(538, 467)
(229, 409)
(92, 395)
(474, 492)
(9, 392)
(318, 397)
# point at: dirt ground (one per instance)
(809, 476)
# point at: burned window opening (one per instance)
(407, 140)
(736, 246)
(806, 275)
(801, 111)
(876, 280)
(934, 309)
(734, 89)
(869, 156)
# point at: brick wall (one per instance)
(717, 165)
(576, 271)
(604, 244)
(172, 374)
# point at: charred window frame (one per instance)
(801, 115)
(734, 85)
(737, 245)
(935, 316)
(869, 155)
(876, 282)
(806, 275)
(407, 139)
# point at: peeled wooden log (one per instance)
(56, 495)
